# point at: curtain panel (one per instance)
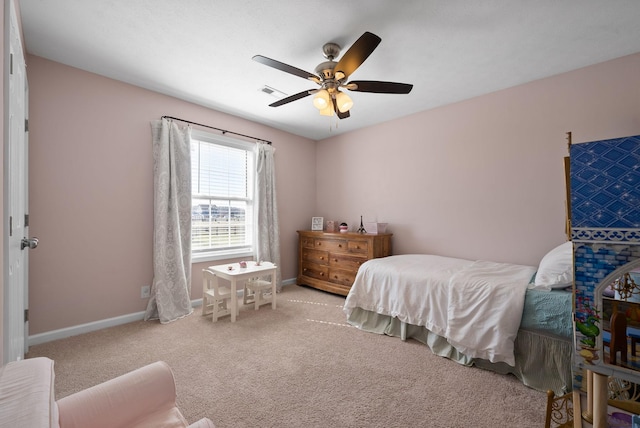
(170, 296)
(268, 231)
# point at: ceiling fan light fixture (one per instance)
(344, 102)
(328, 111)
(321, 100)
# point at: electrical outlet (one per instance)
(145, 291)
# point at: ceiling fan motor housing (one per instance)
(330, 51)
(326, 69)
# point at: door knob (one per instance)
(28, 242)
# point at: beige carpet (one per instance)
(301, 365)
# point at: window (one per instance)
(221, 197)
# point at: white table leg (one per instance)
(273, 289)
(215, 306)
(234, 299)
(204, 296)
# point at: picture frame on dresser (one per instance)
(317, 223)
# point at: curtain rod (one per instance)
(224, 131)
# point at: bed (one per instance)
(503, 317)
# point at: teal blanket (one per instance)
(548, 312)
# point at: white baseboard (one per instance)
(62, 333)
(50, 336)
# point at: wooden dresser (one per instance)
(330, 261)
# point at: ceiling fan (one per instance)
(332, 76)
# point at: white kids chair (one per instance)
(216, 299)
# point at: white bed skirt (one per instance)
(543, 362)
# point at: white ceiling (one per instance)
(450, 50)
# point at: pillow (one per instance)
(556, 268)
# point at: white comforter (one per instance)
(475, 305)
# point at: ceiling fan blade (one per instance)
(379, 87)
(285, 67)
(357, 53)
(290, 98)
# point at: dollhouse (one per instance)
(605, 230)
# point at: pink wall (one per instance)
(91, 192)
(483, 178)
(477, 179)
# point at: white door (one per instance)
(16, 189)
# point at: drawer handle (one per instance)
(335, 260)
(321, 273)
(339, 245)
(321, 257)
(335, 277)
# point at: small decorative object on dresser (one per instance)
(361, 229)
(331, 226)
(376, 228)
(330, 261)
(344, 228)
(317, 223)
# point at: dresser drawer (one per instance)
(315, 256)
(332, 245)
(316, 271)
(358, 247)
(341, 261)
(342, 277)
(307, 242)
